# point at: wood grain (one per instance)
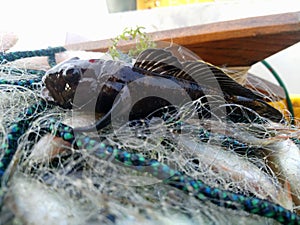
(240, 42)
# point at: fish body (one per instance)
(284, 158)
(238, 169)
(158, 76)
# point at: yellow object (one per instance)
(149, 4)
(296, 107)
(282, 106)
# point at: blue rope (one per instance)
(12, 56)
(13, 71)
(169, 176)
(16, 130)
(161, 171)
(50, 52)
(27, 83)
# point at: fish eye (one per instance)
(72, 75)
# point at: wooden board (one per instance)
(240, 42)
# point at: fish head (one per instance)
(62, 80)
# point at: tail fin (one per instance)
(260, 107)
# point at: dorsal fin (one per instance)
(160, 62)
(157, 62)
(207, 74)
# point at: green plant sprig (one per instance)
(143, 41)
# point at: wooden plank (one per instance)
(240, 42)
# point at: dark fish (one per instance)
(157, 79)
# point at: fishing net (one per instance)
(56, 182)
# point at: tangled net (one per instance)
(60, 177)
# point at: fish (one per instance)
(236, 169)
(156, 80)
(283, 156)
(44, 204)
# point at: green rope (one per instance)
(14, 71)
(12, 56)
(193, 187)
(287, 96)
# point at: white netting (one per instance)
(52, 182)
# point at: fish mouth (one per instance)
(59, 91)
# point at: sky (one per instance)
(46, 22)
